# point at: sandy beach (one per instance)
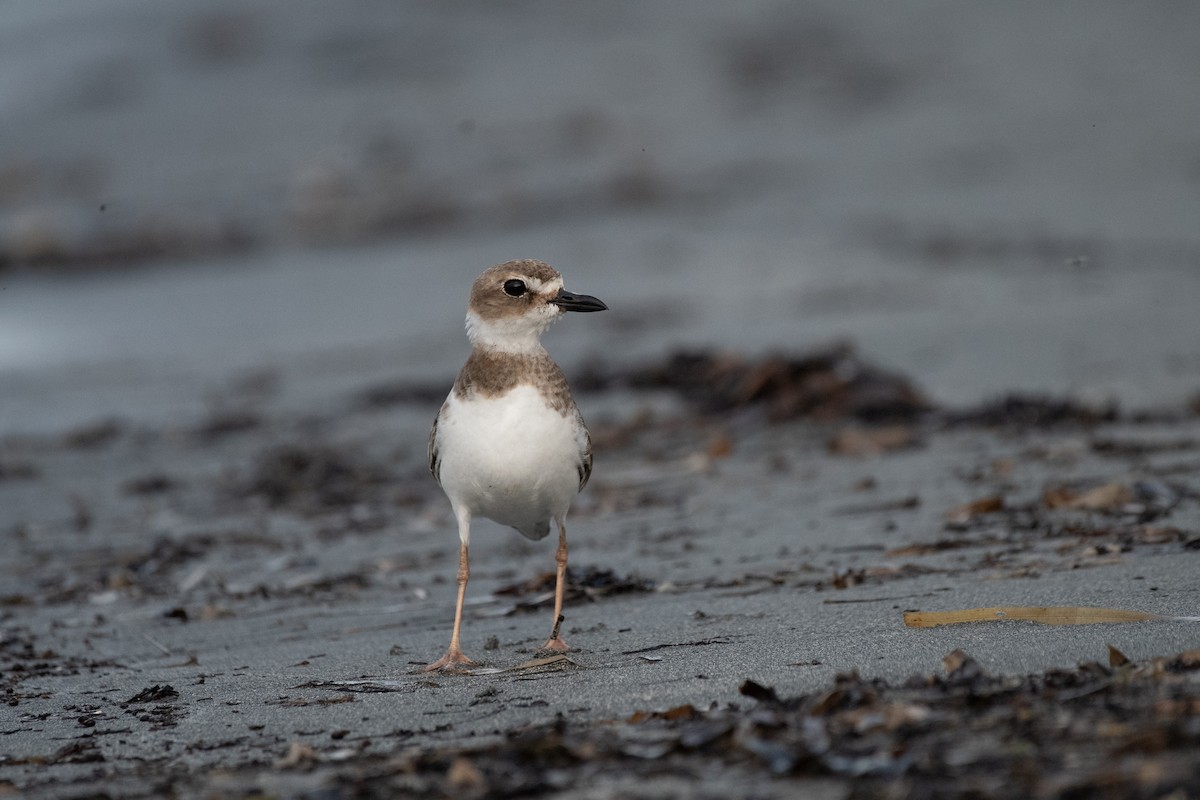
(902, 319)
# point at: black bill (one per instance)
(568, 301)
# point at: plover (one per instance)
(509, 443)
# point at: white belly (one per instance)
(511, 459)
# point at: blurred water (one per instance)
(988, 197)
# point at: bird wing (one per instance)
(435, 462)
(585, 453)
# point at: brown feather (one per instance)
(489, 373)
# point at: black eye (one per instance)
(514, 288)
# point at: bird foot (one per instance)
(453, 663)
(555, 644)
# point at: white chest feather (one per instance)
(510, 458)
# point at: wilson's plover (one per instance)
(509, 443)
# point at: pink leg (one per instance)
(454, 660)
(555, 642)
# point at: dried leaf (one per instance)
(299, 756)
(1110, 497)
(890, 717)
(844, 579)
(1058, 497)
(538, 663)
(464, 777)
(870, 442)
(954, 659)
(720, 447)
(686, 711)
(961, 667)
(212, 611)
(1189, 659)
(1048, 615)
(1116, 658)
(960, 515)
(1151, 534)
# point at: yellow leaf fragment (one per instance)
(464, 777)
(961, 515)
(871, 442)
(1047, 615)
(1110, 497)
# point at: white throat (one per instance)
(511, 334)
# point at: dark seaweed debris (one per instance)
(1034, 411)
(153, 693)
(830, 384)
(23, 658)
(1127, 731)
(316, 477)
(583, 583)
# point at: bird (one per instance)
(509, 443)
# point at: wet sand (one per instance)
(234, 252)
(273, 582)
